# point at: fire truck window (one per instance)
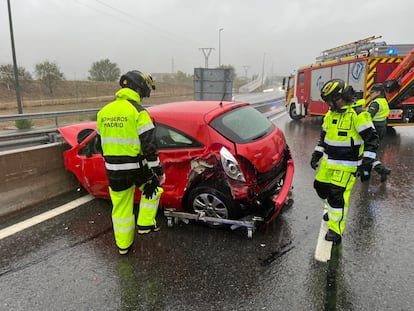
(301, 78)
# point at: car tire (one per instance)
(212, 202)
(292, 112)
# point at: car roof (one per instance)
(186, 116)
(196, 111)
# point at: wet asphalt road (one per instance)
(70, 262)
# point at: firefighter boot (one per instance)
(382, 171)
(333, 237)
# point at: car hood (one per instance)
(70, 132)
(266, 152)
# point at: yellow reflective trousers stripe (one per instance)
(123, 218)
(337, 215)
(148, 208)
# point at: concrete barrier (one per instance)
(33, 175)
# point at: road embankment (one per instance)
(33, 175)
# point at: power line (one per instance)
(131, 19)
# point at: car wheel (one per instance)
(212, 202)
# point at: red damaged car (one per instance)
(224, 160)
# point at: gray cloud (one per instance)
(166, 35)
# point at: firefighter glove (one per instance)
(364, 170)
(150, 187)
(316, 156)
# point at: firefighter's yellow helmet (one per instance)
(335, 89)
(138, 81)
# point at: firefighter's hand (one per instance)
(316, 156)
(150, 187)
(364, 170)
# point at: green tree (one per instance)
(49, 73)
(104, 70)
(7, 75)
(231, 68)
(183, 77)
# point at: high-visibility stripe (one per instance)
(122, 166)
(145, 128)
(372, 70)
(116, 140)
(148, 204)
(343, 162)
(319, 148)
(363, 127)
(154, 163)
(123, 220)
(375, 163)
(124, 229)
(347, 143)
(369, 154)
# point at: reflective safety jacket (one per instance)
(346, 137)
(127, 134)
(379, 110)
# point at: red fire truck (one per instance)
(361, 64)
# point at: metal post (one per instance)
(220, 30)
(16, 72)
(206, 52)
(263, 65)
(246, 67)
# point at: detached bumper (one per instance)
(280, 199)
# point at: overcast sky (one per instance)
(166, 35)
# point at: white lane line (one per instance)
(45, 216)
(323, 247)
(279, 115)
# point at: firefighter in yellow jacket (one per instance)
(379, 109)
(131, 158)
(346, 149)
(377, 165)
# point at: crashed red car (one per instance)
(222, 159)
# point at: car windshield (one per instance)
(243, 125)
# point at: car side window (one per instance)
(92, 147)
(170, 138)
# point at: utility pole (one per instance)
(16, 71)
(263, 65)
(206, 52)
(245, 67)
(220, 30)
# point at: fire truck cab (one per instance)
(360, 64)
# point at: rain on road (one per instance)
(70, 262)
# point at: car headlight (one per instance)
(230, 165)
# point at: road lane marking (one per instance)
(323, 247)
(277, 116)
(45, 216)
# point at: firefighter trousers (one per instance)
(123, 218)
(335, 187)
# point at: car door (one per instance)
(176, 152)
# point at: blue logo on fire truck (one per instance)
(357, 70)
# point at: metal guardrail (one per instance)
(29, 137)
(47, 115)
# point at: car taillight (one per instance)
(230, 165)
